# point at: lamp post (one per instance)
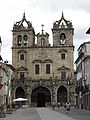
(84, 96)
(68, 83)
(53, 91)
(76, 101)
(84, 84)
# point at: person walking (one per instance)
(58, 105)
(67, 106)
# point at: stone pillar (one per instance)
(53, 94)
(68, 95)
(29, 100)
(29, 97)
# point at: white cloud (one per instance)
(43, 12)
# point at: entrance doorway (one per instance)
(40, 96)
(19, 93)
(41, 100)
(62, 95)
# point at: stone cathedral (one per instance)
(43, 73)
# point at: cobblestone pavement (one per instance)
(75, 113)
(47, 114)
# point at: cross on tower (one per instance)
(42, 28)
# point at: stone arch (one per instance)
(62, 94)
(40, 96)
(43, 85)
(19, 92)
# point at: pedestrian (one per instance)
(53, 105)
(58, 105)
(67, 106)
(82, 106)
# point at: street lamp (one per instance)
(84, 83)
(68, 83)
(53, 91)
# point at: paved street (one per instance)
(47, 114)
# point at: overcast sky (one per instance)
(43, 12)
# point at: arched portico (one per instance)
(40, 96)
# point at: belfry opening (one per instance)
(40, 96)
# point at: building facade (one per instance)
(43, 73)
(6, 71)
(3, 84)
(83, 76)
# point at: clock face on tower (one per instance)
(62, 38)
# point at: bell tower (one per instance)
(23, 41)
(62, 32)
(23, 33)
(23, 38)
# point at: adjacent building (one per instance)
(83, 75)
(3, 82)
(43, 73)
(6, 71)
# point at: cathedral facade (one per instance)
(43, 73)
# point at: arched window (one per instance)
(25, 39)
(19, 40)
